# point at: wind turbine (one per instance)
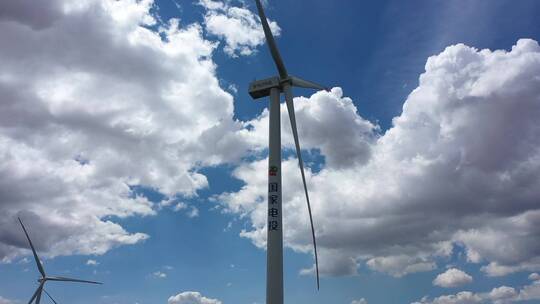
(273, 87)
(44, 278)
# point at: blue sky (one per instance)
(164, 204)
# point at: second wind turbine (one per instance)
(273, 87)
(45, 278)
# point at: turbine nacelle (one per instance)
(261, 88)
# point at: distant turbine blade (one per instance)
(63, 279)
(36, 293)
(38, 262)
(290, 109)
(301, 83)
(271, 42)
(50, 297)
(38, 298)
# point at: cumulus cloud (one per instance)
(103, 105)
(92, 263)
(37, 15)
(503, 294)
(452, 278)
(464, 297)
(240, 29)
(459, 167)
(191, 297)
(495, 269)
(498, 295)
(342, 144)
(191, 211)
(400, 265)
(361, 301)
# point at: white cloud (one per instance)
(464, 297)
(180, 206)
(502, 294)
(213, 4)
(452, 278)
(460, 166)
(24, 260)
(400, 265)
(499, 295)
(361, 301)
(530, 292)
(334, 266)
(233, 88)
(237, 26)
(193, 212)
(191, 297)
(84, 118)
(159, 275)
(92, 263)
(495, 269)
(343, 144)
(534, 276)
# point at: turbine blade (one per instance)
(271, 42)
(38, 262)
(298, 82)
(38, 298)
(290, 108)
(50, 297)
(64, 279)
(36, 293)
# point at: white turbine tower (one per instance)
(273, 87)
(44, 278)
